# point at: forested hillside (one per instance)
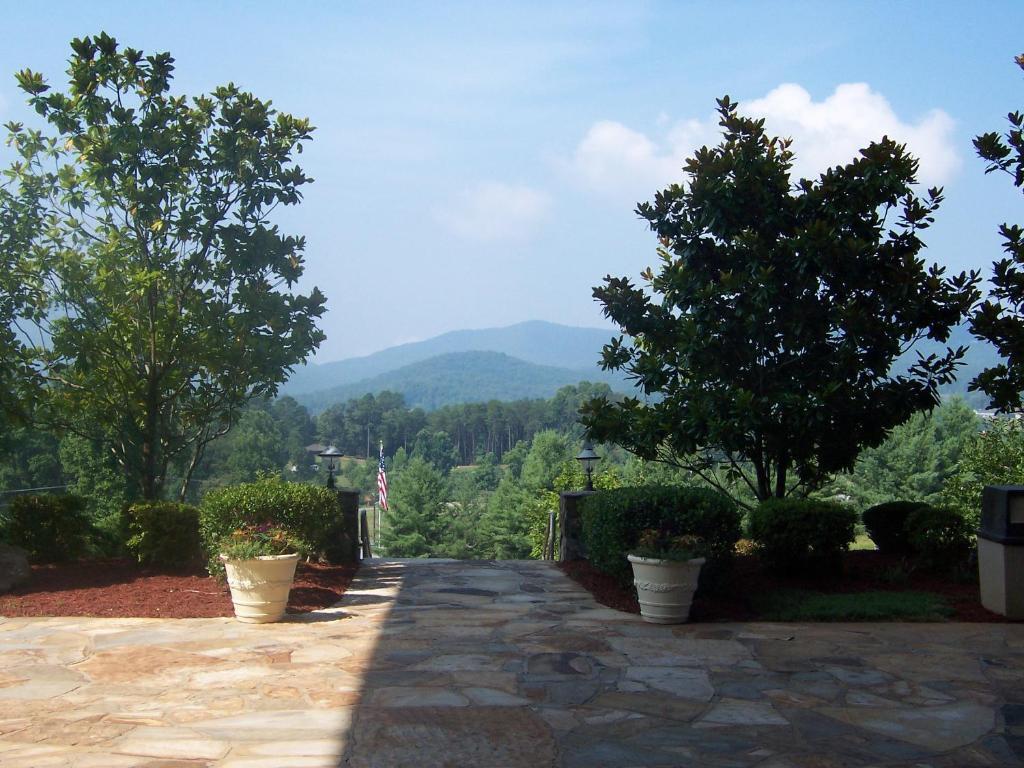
(273, 436)
(469, 430)
(462, 377)
(529, 360)
(534, 341)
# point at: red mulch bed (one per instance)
(863, 571)
(123, 588)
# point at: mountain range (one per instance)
(462, 377)
(535, 341)
(526, 360)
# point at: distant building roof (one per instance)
(315, 448)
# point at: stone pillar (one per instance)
(570, 527)
(347, 536)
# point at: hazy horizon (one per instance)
(318, 361)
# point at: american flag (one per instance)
(382, 480)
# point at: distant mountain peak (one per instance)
(533, 341)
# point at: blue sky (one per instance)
(477, 164)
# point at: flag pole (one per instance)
(378, 510)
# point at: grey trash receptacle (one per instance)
(1001, 550)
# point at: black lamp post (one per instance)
(330, 454)
(588, 458)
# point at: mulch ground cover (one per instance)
(123, 588)
(733, 600)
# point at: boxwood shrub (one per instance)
(887, 523)
(613, 520)
(795, 535)
(49, 527)
(163, 533)
(312, 512)
(941, 537)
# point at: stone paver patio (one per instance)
(435, 663)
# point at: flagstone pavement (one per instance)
(439, 663)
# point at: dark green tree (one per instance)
(1000, 318)
(915, 461)
(169, 289)
(548, 452)
(995, 456)
(256, 445)
(487, 473)
(564, 408)
(331, 426)
(357, 426)
(770, 329)
(29, 459)
(297, 431)
(415, 522)
(515, 458)
(505, 523)
(93, 473)
(436, 448)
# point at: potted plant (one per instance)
(260, 562)
(666, 568)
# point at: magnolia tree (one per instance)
(1000, 319)
(764, 342)
(141, 221)
(22, 299)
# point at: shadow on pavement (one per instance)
(509, 663)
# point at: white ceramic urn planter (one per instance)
(260, 587)
(665, 588)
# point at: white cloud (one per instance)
(617, 161)
(830, 132)
(491, 210)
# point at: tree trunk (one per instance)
(149, 443)
(764, 489)
(197, 456)
(780, 478)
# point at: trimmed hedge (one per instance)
(941, 537)
(163, 533)
(887, 525)
(312, 512)
(802, 534)
(613, 520)
(51, 528)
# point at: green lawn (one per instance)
(807, 605)
(863, 541)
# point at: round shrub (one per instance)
(311, 512)
(887, 523)
(941, 537)
(108, 535)
(613, 521)
(50, 528)
(802, 534)
(163, 533)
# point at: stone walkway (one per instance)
(433, 663)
